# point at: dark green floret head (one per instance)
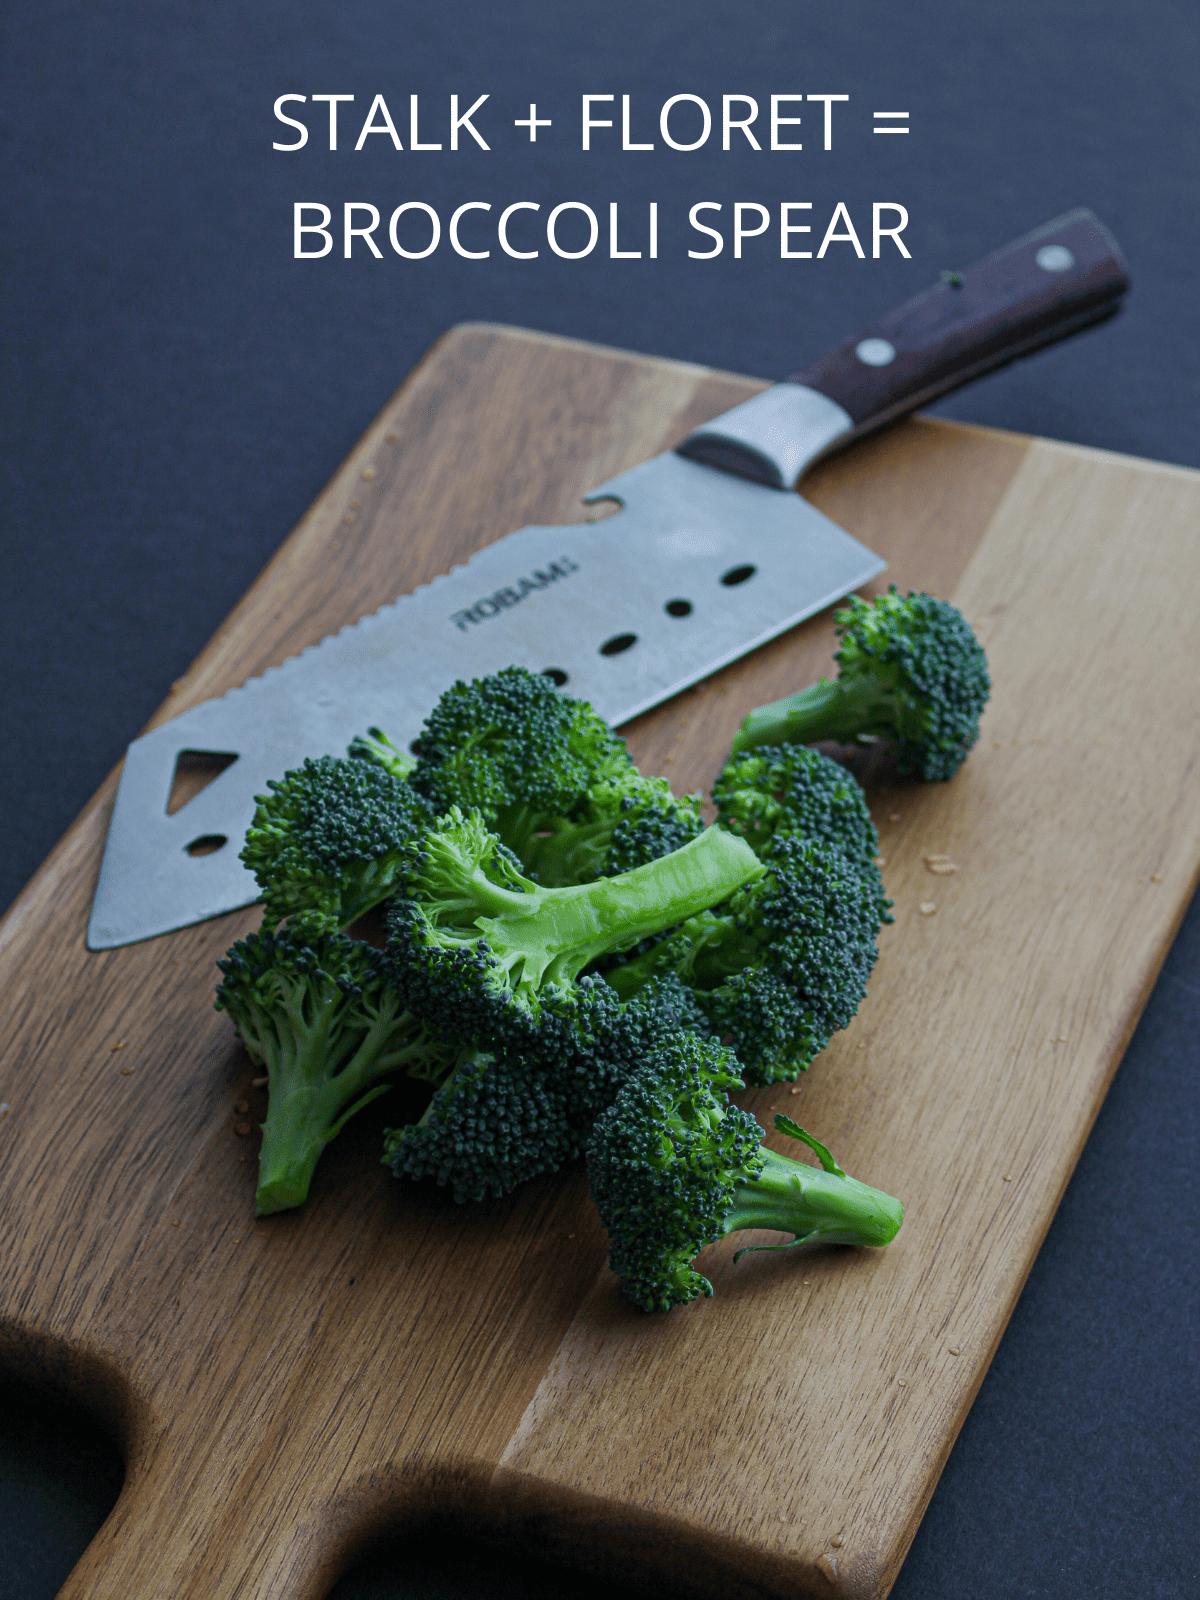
(781, 966)
(514, 748)
(775, 790)
(664, 1163)
(910, 670)
(504, 1117)
(497, 1122)
(924, 654)
(673, 1167)
(325, 841)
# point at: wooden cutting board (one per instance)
(285, 1388)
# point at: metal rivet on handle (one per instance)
(1054, 258)
(875, 352)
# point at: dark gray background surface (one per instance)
(176, 390)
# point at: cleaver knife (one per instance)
(709, 555)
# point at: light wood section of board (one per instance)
(283, 1389)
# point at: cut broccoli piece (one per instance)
(329, 1029)
(621, 823)
(492, 958)
(910, 670)
(501, 1119)
(495, 1123)
(511, 747)
(326, 840)
(784, 964)
(674, 1167)
(790, 789)
(375, 746)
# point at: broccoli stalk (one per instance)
(674, 1167)
(841, 710)
(549, 936)
(910, 670)
(329, 1030)
(817, 1205)
(482, 948)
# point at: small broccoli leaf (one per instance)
(788, 1244)
(795, 1131)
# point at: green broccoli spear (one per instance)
(329, 1029)
(325, 840)
(674, 1167)
(910, 670)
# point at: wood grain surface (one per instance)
(284, 1389)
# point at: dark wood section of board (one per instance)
(284, 1388)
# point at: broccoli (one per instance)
(496, 1122)
(375, 746)
(765, 793)
(325, 841)
(783, 964)
(504, 1117)
(328, 1027)
(621, 823)
(491, 957)
(511, 747)
(910, 670)
(674, 1167)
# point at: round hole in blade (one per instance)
(619, 643)
(737, 575)
(678, 608)
(556, 675)
(207, 844)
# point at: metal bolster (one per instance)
(773, 438)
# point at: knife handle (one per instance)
(1049, 284)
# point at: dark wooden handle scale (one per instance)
(1040, 288)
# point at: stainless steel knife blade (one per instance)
(595, 604)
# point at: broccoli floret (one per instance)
(910, 670)
(780, 968)
(495, 1123)
(503, 1118)
(674, 1167)
(325, 841)
(511, 747)
(791, 789)
(375, 746)
(329, 1029)
(492, 958)
(621, 823)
